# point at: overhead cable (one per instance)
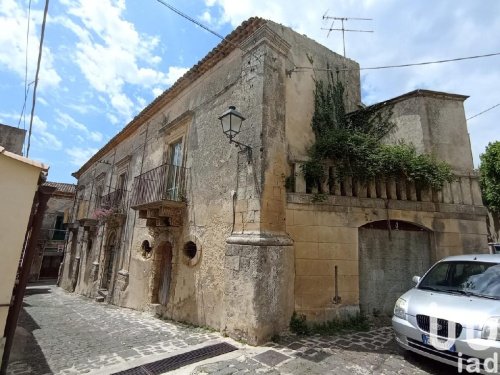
(486, 110)
(400, 65)
(36, 74)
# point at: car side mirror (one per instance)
(416, 279)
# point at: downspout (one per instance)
(41, 198)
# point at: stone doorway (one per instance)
(109, 262)
(388, 258)
(162, 274)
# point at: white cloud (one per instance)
(43, 137)
(174, 73)
(111, 53)
(450, 29)
(95, 136)
(67, 121)
(157, 91)
(13, 18)
(206, 17)
(112, 118)
(79, 156)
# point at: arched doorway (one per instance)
(162, 274)
(109, 262)
(390, 253)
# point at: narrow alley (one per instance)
(62, 333)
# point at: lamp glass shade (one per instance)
(231, 121)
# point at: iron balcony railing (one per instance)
(114, 200)
(164, 183)
(51, 234)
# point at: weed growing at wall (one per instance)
(353, 142)
(298, 325)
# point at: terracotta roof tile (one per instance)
(61, 187)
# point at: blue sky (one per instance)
(105, 60)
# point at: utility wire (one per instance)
(486, 110)
(26, 87)
(191, 19)
(45, 11)
(298, 68)
(432, 62)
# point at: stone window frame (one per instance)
(175, 131)
(122, 167)
(192, 262)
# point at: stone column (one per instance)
(259, 259)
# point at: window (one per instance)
(174, 171)
(98, 196)
(59, 231)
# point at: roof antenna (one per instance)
(342, 28)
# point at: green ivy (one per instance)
(353, 142)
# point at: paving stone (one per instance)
(271, 358)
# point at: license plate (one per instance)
(443, 344)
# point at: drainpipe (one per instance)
(41, 198)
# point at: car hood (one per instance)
(471, 312)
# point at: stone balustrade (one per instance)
(463, 190)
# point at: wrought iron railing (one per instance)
(114, 200)
(51, 234)
(164, 183)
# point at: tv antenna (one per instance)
(342, 28)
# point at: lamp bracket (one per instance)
(242, 147)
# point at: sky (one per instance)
(103, 61)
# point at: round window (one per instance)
(190, 249)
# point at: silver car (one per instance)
(453, 313)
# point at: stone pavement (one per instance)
(62, 333)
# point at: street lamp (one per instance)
(231, 121)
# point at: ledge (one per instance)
(260, 239)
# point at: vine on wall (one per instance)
(353, 143)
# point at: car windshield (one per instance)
(480, 279)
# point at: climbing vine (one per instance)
(353, 142)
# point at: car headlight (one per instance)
(491, 329)
(400, 308)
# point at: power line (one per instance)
(189, 18)
(26, 87)
(45, 11)
(401, 65)
(432, 62)
(486, 110)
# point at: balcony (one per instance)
(53, 235)
(464, 190)
(115, 201)
(159, 195)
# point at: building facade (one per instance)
(16, 199)
(171, 218)
(52, 236)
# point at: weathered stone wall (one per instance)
(299, 86)
(326, 235)
(435, 123)
(56, 206)
(12, 139)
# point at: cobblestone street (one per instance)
(62, 333)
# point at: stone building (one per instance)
(171, 218)
(52, 236)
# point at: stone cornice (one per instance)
(265, 35)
